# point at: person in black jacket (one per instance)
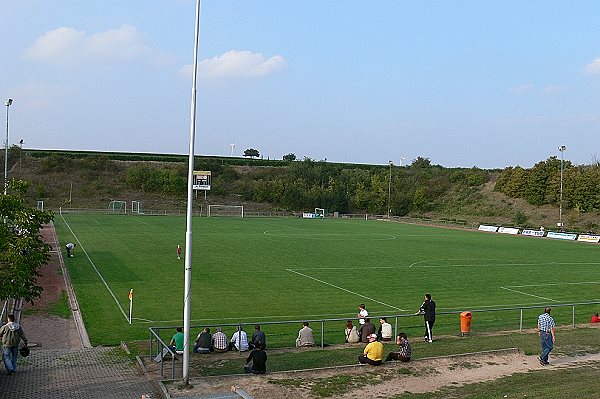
(427, 309)
(256, 363)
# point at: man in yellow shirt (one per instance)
(373, 352)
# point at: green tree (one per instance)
(289, 157)
(22, 251)
(252, 153)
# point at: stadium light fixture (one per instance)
(8, 103)
(562, 149)
(390, 191)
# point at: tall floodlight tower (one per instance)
(562, 149)
(8, 103)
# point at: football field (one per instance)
(275, 269)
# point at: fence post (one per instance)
(521, 321)
(150, 341)
(322, 334)
(396, 329)
(573, 315)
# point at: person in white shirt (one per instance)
(239, 340)
(362, 313)
(385, 330)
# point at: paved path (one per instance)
(68, 374)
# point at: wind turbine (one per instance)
(232, 145)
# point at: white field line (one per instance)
(344, 289)
(551, 284)
(96, 269)
(503, 264)
(375, 236)
(525, 293)
(139, 219)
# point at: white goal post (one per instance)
(119, 207)
(319, 213)
(136, 207)
(226, 210)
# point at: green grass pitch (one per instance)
(257, 270)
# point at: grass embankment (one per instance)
(538, 383)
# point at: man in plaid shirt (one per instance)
(219, 341)
(546, 332)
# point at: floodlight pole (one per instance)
(8, 103)
(190, 200)
(562, 149)
(390, 191)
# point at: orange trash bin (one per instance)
(465, 323)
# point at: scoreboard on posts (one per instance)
(201, 180)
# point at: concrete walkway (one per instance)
(68, 374)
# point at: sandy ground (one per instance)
(393, 379)
(42, 329)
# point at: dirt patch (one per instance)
(390, 379)
(42, 328)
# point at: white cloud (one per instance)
(529, 89)
(593, 67)
(236, 64)
(522, 89)
(553, 89)
(66, 45)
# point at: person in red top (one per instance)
(595, 318)
(178, 251)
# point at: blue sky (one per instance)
(464, 83)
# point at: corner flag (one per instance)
(130, 304)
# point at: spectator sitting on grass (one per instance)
(373, 353)
(365, 330)
(203, 343)
(404, 349)
(595, 318)
(351, 333)
(385, 330)
(305, 336)
(258, 336)
(239, 340)
(219, 341)
(256, 363)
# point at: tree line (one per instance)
(540, 184)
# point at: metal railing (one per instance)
(397, 318)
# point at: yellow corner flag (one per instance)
(130, 304)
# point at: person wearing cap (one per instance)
(373, 353)
(547, 336)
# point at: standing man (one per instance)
(11, 334)
(178, 251)
(427, 309)
(546, 331)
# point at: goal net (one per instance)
(136, 207)
(119, 207)
(226, 210)
(319, 213)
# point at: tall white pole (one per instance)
(190, 199)
(562, 149)
(8, 104)
(390, 192)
